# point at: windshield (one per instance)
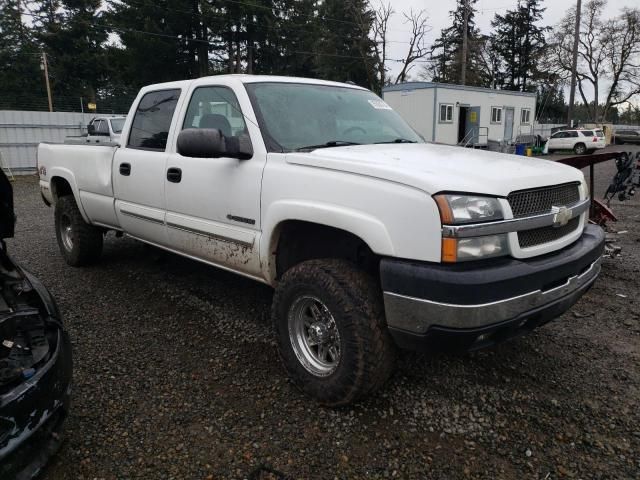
(117, 124)
(305, 116)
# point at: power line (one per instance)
(196, 40)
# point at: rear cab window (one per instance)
(152, 120)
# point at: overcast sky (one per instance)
(438, 11)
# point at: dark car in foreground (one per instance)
(35, 363)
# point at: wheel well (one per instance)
(60, 187)
(300, 241)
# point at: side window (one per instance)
(446, 113)
(102, 127)
(496, 114)
(560, 135)
(587, 133)
(572, 134)
(150, 127)
(215, 107)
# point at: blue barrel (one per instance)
(520, 148)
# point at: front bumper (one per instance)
(32, 415)
(469, 306)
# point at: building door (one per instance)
(462, 124)
(473, 124)
(508, 123)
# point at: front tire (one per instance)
(79, 242)
(332, 338)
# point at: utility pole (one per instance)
(574, 65)
(45, 67)
(465, 44)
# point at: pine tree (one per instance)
(343, 53)
(519, 43)
(447, 57)
(72, 34)
(21, 81)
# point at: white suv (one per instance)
(580, 141)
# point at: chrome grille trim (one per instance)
(536, 201)
(511, 225)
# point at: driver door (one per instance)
(213, 204)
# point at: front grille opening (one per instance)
(540, 236)
(537, 201)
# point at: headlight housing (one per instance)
(461, 209)
(456, 209)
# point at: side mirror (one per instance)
(211, 143)
(91, 129)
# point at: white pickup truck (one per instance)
(105, 129)
(371, 238)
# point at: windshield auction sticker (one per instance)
(379, 105)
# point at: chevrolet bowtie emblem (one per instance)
(561, 216)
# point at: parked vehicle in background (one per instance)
(103, 129)
(35, 362)
(626, 136)
(372, 238)
(580, 141)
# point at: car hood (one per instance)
(7, 214)
(435, 168)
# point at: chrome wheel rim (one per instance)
(314, 336)
(66, 233)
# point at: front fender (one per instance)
(368, 228)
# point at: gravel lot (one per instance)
(176, 378)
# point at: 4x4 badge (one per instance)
(561, 216)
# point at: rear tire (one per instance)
(79, 242)
(333, 306)
(580, 148)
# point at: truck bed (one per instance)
(87, 169)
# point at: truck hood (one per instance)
(435, 168)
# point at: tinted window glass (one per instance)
(117, 124)
(587, 133)
(572, 134)
(599, 133)
(215, 107)
(150, 127)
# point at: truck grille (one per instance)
(538, 236)
(539, 201)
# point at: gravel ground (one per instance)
(176, 378)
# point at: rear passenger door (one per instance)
(139, 167)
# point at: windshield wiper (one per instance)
(400, 140)
(332, 143)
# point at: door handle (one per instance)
(174, 175)
(125, 169)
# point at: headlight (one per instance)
(459, 209)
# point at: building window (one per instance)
(446, 113)
(496, 114)
(525, 116)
